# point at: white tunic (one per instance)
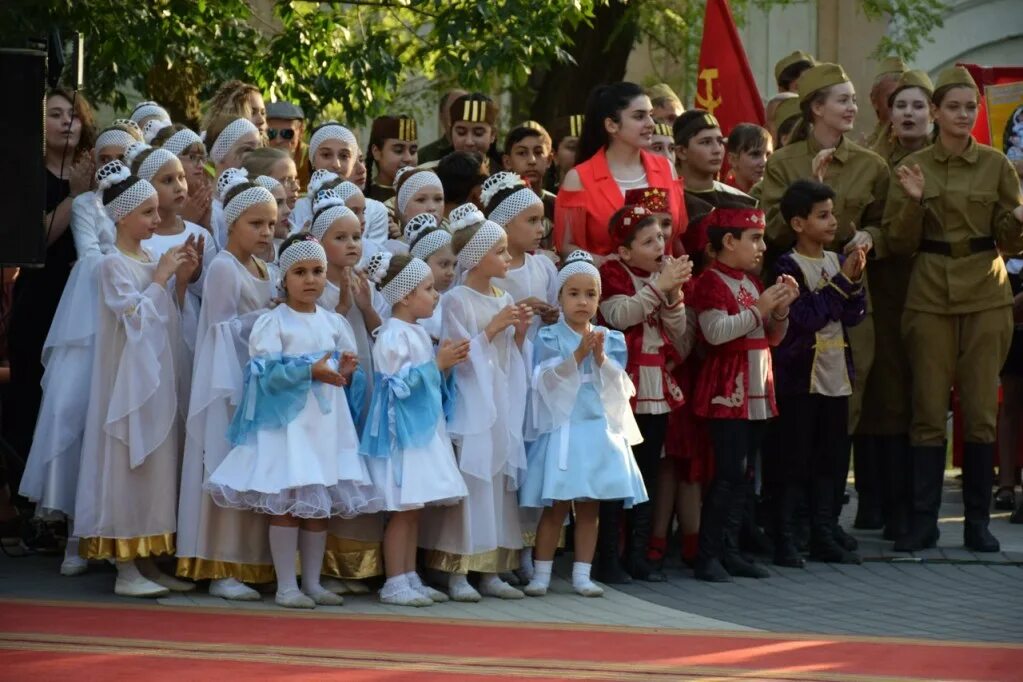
(537, 277)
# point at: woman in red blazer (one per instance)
(612, 159)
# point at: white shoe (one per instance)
(499, 588)
(229, 588)
(588, 589)
(405, 597)
(73, 565)
(323, 597)
(334, 585)
(535, 588)
(139, 587)
(464, 592)
(417, 584)
(294, 599)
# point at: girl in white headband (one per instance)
(484, 534)
(582, 424)
(296, 450)
(418, 191)
(126, 504)
(228, 140)
(413, 466)
(228, 547)
(432, 244)
(302, 215)
(191, 151)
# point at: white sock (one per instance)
(580, 574)
(311, 546)
(283, 547)
(458, 580)
(127, 570)
(394, 585)
(414, 581)
(526, 561)
(542, 573)
(71, 550)
(488, 580)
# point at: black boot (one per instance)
(823, 546)
(978, 460)
(785, 552)
(867, 467)
(608, 566)
(898, 470)
(928, 482)
(638, 566)
(752, 537)
(712, 524)
(731, 558)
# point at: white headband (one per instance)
(114, 137)
(245, 200)
(578, 263)
(234, 131)
(153, 127)
(488, 234)
(346, 190)
(413, 184)
(327, 217)
(146, 109)
(156, 160)
(305, 249)
(404, 283)
(318, 179)
(423, 236)
(466, 215)
(228, 179)
(131, 198)
(268, 182)
(180, 141)
(331, 131)
(513, 204)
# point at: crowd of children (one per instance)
(425, 372)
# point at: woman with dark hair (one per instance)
(70, 134)
(612, 159)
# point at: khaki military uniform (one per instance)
(859, 178)
(958, 319)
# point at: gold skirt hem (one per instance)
(197, 568)
(126, 549)
(498, 560)
(352, 559)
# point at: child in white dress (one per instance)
(295, 455)
(405, 440)
(483, 534)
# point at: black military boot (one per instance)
(898, 477)
(867, 467)
(928, 482)
(638, 565)
(823, 545)
(785, 551)
(978, 460)
(712, 527)
(731, 558)
(608, 566)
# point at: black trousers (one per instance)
(735, 442)
(815, 440)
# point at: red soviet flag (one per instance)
(726, 87)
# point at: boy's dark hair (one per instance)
(520, 133)
(460, 173)
(791, 73)
(716, 236)
(801, 196)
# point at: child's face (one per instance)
(357, 204)
(285, 172)
(358, 176)
(472, 137)
(423, 299)
(335, 156)
(579, 299)
(749, 166)
(171, 187)
(495, 263)
(343, 242)
(744, 252)
(667, 226)
(820, 227)
(109, 153)
(530, 157)
(646, 251)
(525, 230)
(193, 160)
(664, 146)
(395, 154)
(427, 200)
(242, 146)
(141, 223)
(253, 232)
(283, 211)
(304, 282)
(564, 157)
(442, 265)
(705, 152)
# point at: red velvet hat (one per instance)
(735, 219)
(624, 223)
(653, 199)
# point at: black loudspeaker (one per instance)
(22, 179)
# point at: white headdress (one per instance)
(245, 199)
(130, 198)
(152, 127)
(404, 283)
(180, 141)
(415, 181)
(230, 135)
(578, 263)
(268, 182)
(156, 160)
(147, 109)
(488, 234)
(331, 130)
(304, 249)
(329, 208)
(424, 237)
(466, 215)
(346, 190)
(318, 179)
(132, 151)
(510, 206)
(114, 137)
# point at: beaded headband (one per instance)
(157, 159)
(268, 182)
(113, 137)
(229, 136)
(130, 198)
(152, 127)
(327, 216)
(332, 130)
(318, 179)
(180, 141)
(298, 251)
(411, 182)
(346, 190)
(488, 234)
(146, 109)
(466, 215)
(245, 199)
(424, 237)
(404, 283)
(511, 205)
(578, 263)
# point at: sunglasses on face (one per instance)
(285, 133)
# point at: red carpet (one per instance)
(88, 641)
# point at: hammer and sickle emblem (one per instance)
(707, 101)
